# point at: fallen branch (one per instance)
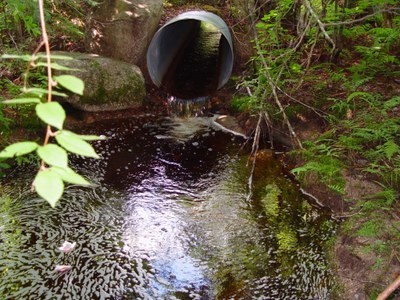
(389, 290)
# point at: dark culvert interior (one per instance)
(191, 56)
(194, 70)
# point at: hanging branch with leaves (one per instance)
(54, 170)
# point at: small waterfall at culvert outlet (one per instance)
(191, 56)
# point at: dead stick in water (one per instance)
(389, 290)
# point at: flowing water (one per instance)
(167, 217)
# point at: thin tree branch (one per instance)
(318, 112)
(273, 86)
(49, 74)
(320, 24)
(47, 47)
(253, 154)
(268, 121)
(361, 19)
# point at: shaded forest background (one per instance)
(322, 76)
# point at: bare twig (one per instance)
(362, 18)
(14, 42)
(309, 58)
(31, 63)
(268, 121)
(318, 112)
(320, 24)
(277, 101)
(254, 150)
(273, 86)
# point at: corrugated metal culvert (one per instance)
(191, 55)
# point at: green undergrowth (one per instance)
(351, 91)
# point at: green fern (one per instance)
(327, 169)
(370, 228)
(391, 103)
(388, 195)
(390, 148)
(337, 188)
(367, 97)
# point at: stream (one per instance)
(167, 217)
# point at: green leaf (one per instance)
(51, 113)
(70, 176)
(71, 83)
(56, 66)
(53, 155)
(15, 56)
(4, 166)
(73, 143)
(22, 101)
(40, 92)
(49, 186)
(18, 149)
(90, 137)
(56, 56)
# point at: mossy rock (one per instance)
(123, 29)
(109, 84)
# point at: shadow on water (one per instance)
(166, 218)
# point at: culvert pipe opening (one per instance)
(191, 56)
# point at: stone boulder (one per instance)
(123, 29)
(109, 84)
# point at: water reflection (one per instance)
(167, 218)
(156, 226)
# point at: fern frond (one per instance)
(371, 228)
(390, 148)
(367, 97)
(392, 103)
(389, 195)
(337, 188)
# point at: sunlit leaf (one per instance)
(22, 101)
(15, 56)
(49, 186)
(73, 143)
(56, 56)
(56, 66)
(53, 155)
(18, 149)
(40, 92)
(90, 137)
(71, 83)
(70, 176)
(51, 113)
